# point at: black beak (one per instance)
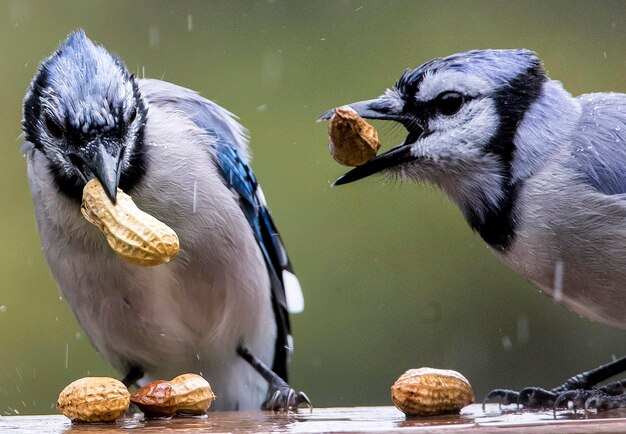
(381, 109)
(377, 108)
(396, 156)
(102, 160)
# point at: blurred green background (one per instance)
(393, 277)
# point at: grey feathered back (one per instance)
(599, 148)
(204, 113)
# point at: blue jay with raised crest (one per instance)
(539, 174)
(221, 307)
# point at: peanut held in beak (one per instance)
(352, 140)
(134, 235)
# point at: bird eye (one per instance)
(448, 103)
(133, 115)
(53, 128)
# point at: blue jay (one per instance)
(221, 307)
(539, 174)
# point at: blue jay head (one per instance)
(461, 113)
(84, 112)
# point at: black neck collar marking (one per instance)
(498, 224)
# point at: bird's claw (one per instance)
(599, 400)
(506, 397)
(578, 398)
(593, 399)
(284, 398)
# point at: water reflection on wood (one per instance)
(355, 419)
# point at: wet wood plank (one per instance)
(349, 419)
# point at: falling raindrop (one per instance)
(506, 343)
(557, 286)
(189, 23)
(153, 36)
(3, 309)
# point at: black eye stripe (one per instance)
(425, 110)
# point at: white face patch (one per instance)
(452, 155)
(394, 100)
(455, 81)
(471, 127)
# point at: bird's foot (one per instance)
(530, 397)
(602, 398)
(577, 390)
(281, 397)
(134, 374)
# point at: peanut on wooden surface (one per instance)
(134, 235)
(428, 391)
(352, 140)
(185, 394)
(94, 399)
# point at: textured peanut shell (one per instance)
(352, 141)
(94, 399)
(428, 391)
(134, 235)
(185, 394)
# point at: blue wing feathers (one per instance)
(239, 176)
(229, 147)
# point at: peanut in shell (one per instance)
(134, 235)
(428, 391)
(186, 394)
(94, 399)
(352, 141)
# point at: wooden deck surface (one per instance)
(349, 419)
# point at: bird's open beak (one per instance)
(377, 108)
(382, 110)
(394, 157)
(102, 160)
